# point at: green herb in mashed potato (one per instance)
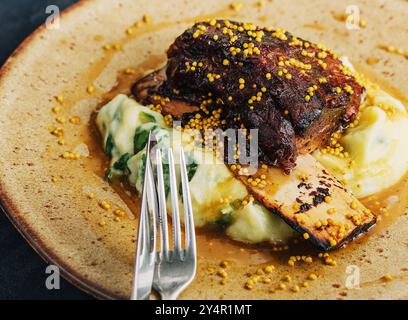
(109, 145)
(217, 196)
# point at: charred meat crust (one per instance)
(297, 92)
(278, 139)
(148, 91)
(312, 202)
(322, 244)
(149, 85)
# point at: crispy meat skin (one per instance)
(288, 124)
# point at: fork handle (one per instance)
(169, 296)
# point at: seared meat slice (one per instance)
(295, 92)
(147, 90)
(312, 202)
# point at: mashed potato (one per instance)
(377, 146)
(218, 198)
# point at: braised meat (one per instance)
(295, 92)
(301, 200)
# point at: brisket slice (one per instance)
(209, 61)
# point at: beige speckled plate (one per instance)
(46, 196)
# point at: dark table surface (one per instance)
(22, 272)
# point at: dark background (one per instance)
(22, 272)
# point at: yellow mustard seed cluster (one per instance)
(310, 55)
(60, 99)
(155, 107)
(334, 146)
(372, 60)
(279, 247)
(295, 259)
(300, 218)
(247, 200)
(145, 20)
(225, 200)
(262, 275)
(193, 66)
(387, 278)
(390, 110)
(60, 120)
(75, 120)
(70, 155)
(359, 77)
(236, 6)
(221, 271)
(105, 205)
(213, 76)
(168, 120)
(207, 140)
(287, 283)
(292, 62)
(117, 213)
(159, 103)
(113, 47)
(58, 131)
(327, 259)
(200, 123)
(56, 110)
(91, 89)
(258, 181)
(237, 168)
(335, 231)
(395, 50)
(200, 31)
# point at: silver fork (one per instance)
(176, 267)
(147, 236)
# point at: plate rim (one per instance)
(7, 204)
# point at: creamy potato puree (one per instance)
(218, 198)
(377, 146)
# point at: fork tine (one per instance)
(146, 242)
(175, 213)
(143, 242)
(188, 211)
(152, 207)
(164, 232)
(151, 197)
(145, 228)
(173, 275)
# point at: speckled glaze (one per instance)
(59, 220)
